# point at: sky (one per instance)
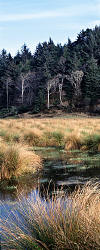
(34, 21)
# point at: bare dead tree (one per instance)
(52, 85)
(23, 77)
(75, 79)
(22, 84)
(31, 86)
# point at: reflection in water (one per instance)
(60, 169)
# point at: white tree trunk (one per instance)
(22, 90)
(7, 92)
(60, 92)
(48, 99)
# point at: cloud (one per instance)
(41, 15)
(94, 23)
(1, 28)
(72, 11)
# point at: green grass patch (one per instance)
(92, 142)
(54, 139)
(9, 137)
(32, 139)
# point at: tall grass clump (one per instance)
(92, 142)
(59, 223)
(73, 142)
(10, 162)
(59, 137)
(8, 136)
(53, 138)
(17, 161)
(32, 138)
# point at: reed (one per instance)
(58, 223)
(17, 160)
(73, 132)
(73, 142)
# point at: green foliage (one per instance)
(40, 102)
(9, 137)
(55, 138)
(23, 109)
(12, 111)
(48, 61)
(58, 136)
(92, 142)
(92, 82)
(15, 137)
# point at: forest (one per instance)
(50, 146)
(67, 77)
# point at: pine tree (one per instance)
(92, 82)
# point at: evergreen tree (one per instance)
(92, 82)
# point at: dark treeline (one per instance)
(65, 76)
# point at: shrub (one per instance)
(23, 109)
(8, 112)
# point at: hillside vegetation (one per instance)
(67, 76)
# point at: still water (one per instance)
(60, 170)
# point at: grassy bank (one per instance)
(70, 133)
(17, 136)
(56, 223)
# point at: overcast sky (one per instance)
(34, 21)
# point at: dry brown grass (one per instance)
(76, 125)
(59, 223)
(73, 142)
(40, 132)
(16, 160)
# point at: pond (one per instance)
(61, 170)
